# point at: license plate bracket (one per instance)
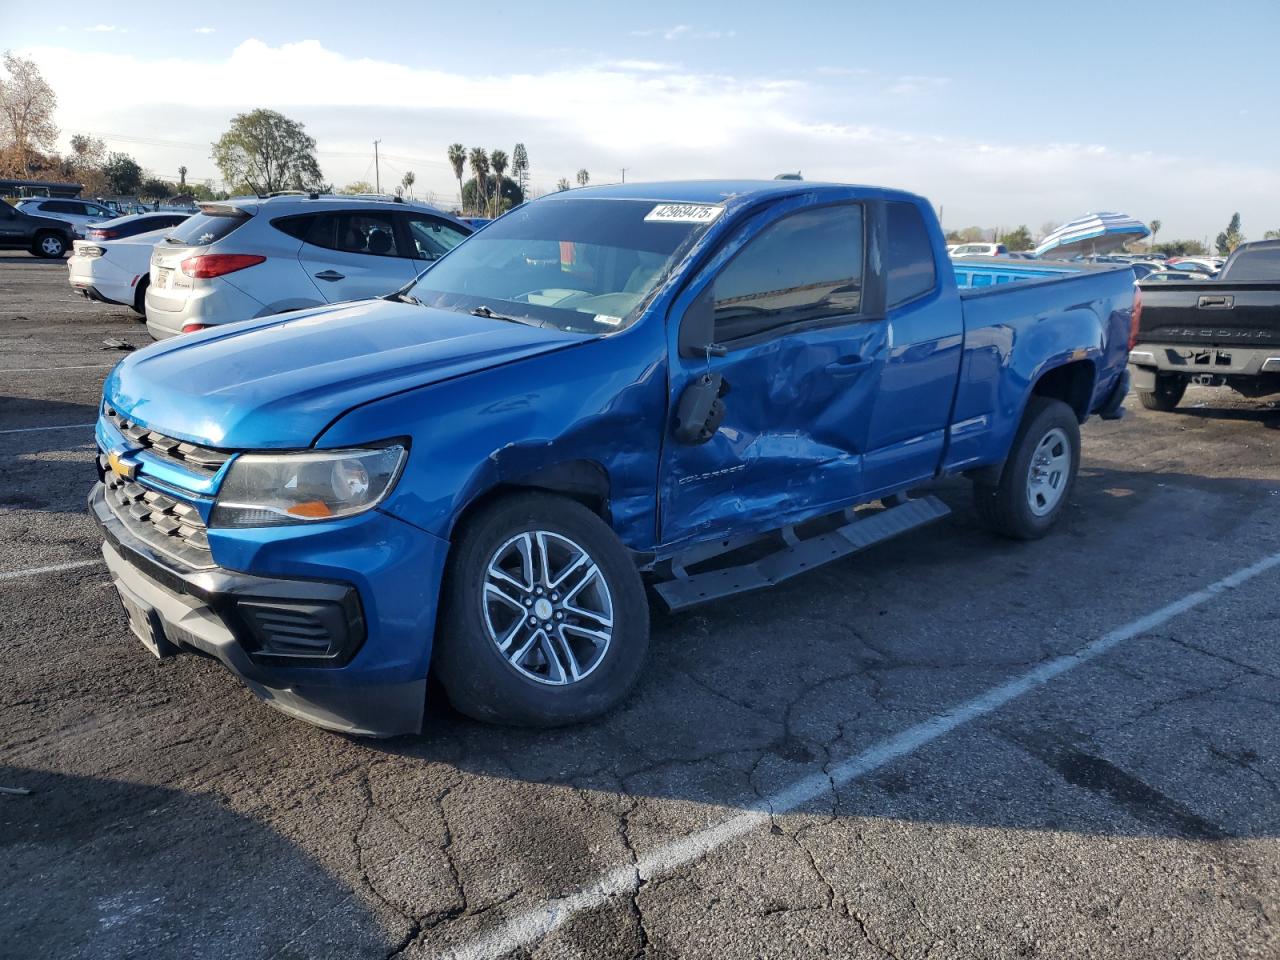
(145, 623)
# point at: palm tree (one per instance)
(583, 177)
(479, 161)
(1155, 228)
(498, 161)
(458, 159)
(408, 182)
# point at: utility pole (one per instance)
(377, 177)
(624, 174)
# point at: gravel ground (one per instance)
(1127, 807)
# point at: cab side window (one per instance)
(910, 271)
(806, 266)
(371, 233)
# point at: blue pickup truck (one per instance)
(668, 392)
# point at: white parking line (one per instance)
(55, 568)
(530, 927)
(64, 426)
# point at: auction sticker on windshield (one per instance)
(684, 213)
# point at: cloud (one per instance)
(682, 31)
(103, 28)
(205, 30)
(660, 120)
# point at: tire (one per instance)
(1024, 505)
(523, 686)
(1168, 392)
(49, 244)
(140, 298)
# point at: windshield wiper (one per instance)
(483, 311)
(405, 297)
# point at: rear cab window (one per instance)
(806, 267)
(910, 268)
(1254, 266)
(207, 227)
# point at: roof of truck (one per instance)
(715, 191)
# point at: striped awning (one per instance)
(1093, 233)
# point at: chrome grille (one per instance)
(169, 525)
(204, 460)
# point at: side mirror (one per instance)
(698, 327)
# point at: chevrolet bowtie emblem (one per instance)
(120, 467)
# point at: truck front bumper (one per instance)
(359, 687)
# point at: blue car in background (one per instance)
(699, 387)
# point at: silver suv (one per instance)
(251, 256)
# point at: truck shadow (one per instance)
(101, 868)
(747, 694)
(59, 435)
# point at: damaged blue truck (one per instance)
(671, 391)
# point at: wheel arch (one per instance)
(583, 480)
(1073, 383)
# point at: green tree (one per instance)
(479, 161)
(1155, 229)
(498, 161)
(563, 184)
(153, 188)
(27, 103)
(458, 160)
(583, 177)
(266, 151)
(123, 175)
(1019, 239)
(520, 168)
(1231, 237)
(973, 235)
(1271, 235)
(500, 199)
(1181, 248)
(359, 186)
(407, 182)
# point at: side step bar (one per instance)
(798, 556)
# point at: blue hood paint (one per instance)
(277, 382)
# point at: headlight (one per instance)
(262, 490)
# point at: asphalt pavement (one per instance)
(948, 746)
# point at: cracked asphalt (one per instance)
(1128, 808)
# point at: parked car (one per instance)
(1144, 268)
(114, 271)
(81, 214)
(43, 236)
(1164, 276)
(1219, 333)
(980, 250)
(250, 257)
(1207, 268)
(133, 224)
(607, 384)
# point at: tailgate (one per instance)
(1212, 313)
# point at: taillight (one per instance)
(216, 264)
(102, 234)
(1137, 316)
(193, 327)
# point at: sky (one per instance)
(1001, 113)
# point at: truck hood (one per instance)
(277, 382)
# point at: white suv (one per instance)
(81, 214)
(252, 256)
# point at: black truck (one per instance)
(1221, 332)
(43, 236)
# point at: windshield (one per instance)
(577, 265)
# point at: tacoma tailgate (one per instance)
(1212, 313)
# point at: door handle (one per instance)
(1222, 302)
(330, 275)
(848, 366)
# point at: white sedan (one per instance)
(114, 271)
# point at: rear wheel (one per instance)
(1168, 392)
(544, 619)
(140, 297)
(50, 245)
(1036, 481)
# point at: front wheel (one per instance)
(543, 617)
(1168, 392)
(1038, 476)
(49, 245)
